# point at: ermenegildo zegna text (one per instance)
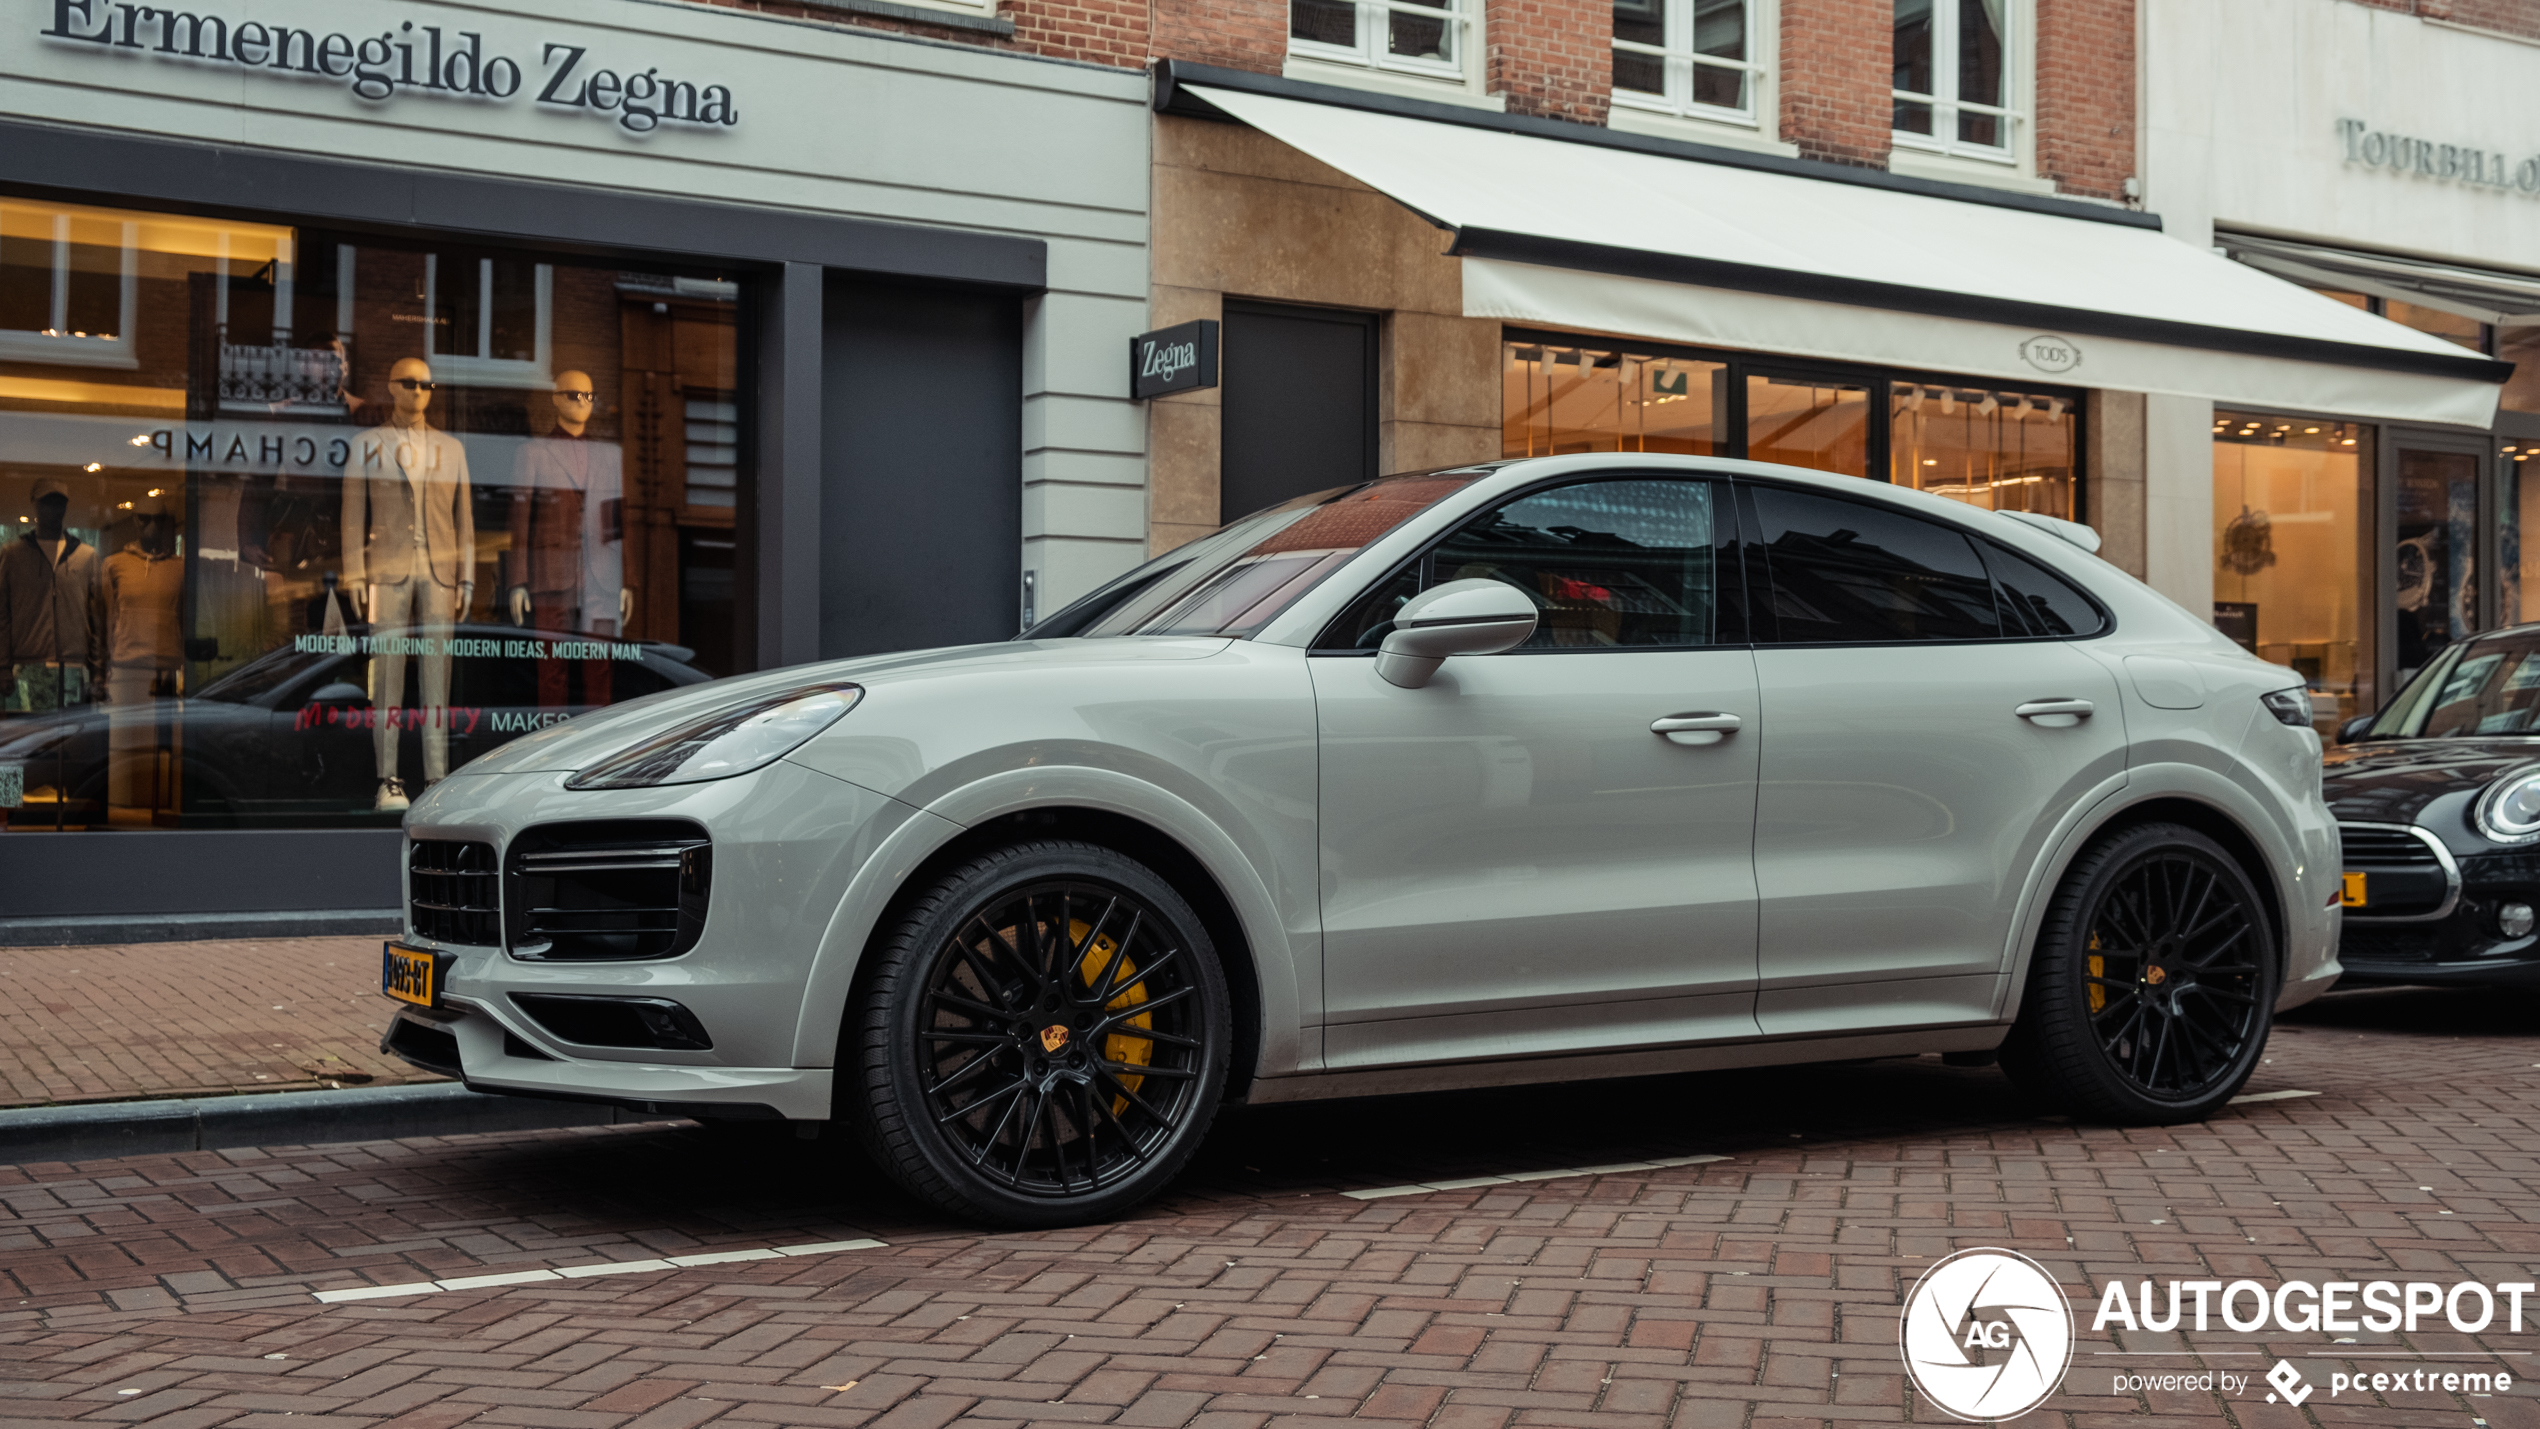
(407, 59)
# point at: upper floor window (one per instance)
(1954, 76)
(1425, 37)
(1693, 57)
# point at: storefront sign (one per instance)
(2451, 163)
(2048, 353)
(1182, 358)
(411, 58)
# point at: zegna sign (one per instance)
(408, 59)
(2451, 163)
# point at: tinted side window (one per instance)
(1609, 564)
(1848, 573)
(2036, 601)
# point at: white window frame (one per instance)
(1370, 56)
(2019, 53)
(55, 343)
(474, 369)
(1763, 32)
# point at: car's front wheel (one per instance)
(2154, 983)
(1042, 1039)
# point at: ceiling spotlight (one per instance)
(142, 440)
(96, 466)
(154, 491)
(2310, 431)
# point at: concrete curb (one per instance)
(103, 1130)
(88, 930)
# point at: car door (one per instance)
(1520, 857)
(1918, 752)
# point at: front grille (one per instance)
(453, 892)
(2385, 848)
(616, 891)
(2382, 945)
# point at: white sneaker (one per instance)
(392, 795)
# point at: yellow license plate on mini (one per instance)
(410, 975)
(2353, 895)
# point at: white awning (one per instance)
(1612, 240)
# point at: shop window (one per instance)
(2004, 451)
(2521, 347)
(1418, 37)
(1588, 399)
(1955, 76)
(1801, 422)
(2436, 555)
(2435, 322)
(2290, 550)
(349, 512)
(1692, 57)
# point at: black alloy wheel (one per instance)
(1043, 1040)
(2154, 983)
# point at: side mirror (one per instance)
(1467, 617)
(2353, 729)
(341, 692)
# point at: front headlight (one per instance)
(725, 743)
(2509, 812)
(2291, 706)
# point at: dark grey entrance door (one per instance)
(1298, 400)
(921, 497)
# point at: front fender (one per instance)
(1286, 953)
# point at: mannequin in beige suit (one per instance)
(410, 538)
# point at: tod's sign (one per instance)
(409, 59)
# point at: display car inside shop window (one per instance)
(300, 521)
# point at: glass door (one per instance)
(2438, 593)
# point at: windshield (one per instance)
(1238, 579)
(2487, 686)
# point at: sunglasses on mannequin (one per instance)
(574, 396)
(415, 384)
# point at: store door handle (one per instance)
(2056, 714)
(1696, 728)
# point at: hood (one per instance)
(586, 739)
(2389, 781)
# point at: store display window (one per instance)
(301, 521)
(2291, 552)
(2001, 449)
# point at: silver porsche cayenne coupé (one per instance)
(1561, 768)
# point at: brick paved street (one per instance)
(184, 1019)
(1757, 1291)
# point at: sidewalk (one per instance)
(119, 1021)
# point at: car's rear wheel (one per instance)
(1042, 1039)
(2154, 983)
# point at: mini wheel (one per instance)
(1042, 1039)
(2154, 983)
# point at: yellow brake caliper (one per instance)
(1123, 1048)
(2098, 969)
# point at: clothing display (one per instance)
(408, 508)
(421, 608)
(52, 621)
(143, 592)
(568, 524)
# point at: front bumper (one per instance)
(786, 842)
(2461, 944)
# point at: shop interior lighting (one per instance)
(95, 466)
(142, 440)
(154, 491)
(2310, 431)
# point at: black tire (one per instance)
(956, 1074)
(2154, 982)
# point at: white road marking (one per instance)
(2268, 1097)
(1467, 1183)
(580, 1272)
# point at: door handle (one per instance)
(1696, 728)
(2056, 713)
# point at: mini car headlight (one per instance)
(2509, 812)
(2291, 706)
(725, 743)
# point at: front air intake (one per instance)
(452, 892)
(619, 891)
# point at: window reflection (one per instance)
(2004, 451)
(1824, 425)
(327, 516)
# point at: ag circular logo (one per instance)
(2050, 354)
(1987, 1334)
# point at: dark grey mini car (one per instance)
(2437, 801)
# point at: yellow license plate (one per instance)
(2354, 892)
(409, 975)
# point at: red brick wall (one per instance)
(2085, 95)
(1551, 57)
(1112, 32)
(1239, 34)
(1835, 78)
(2513, 17)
